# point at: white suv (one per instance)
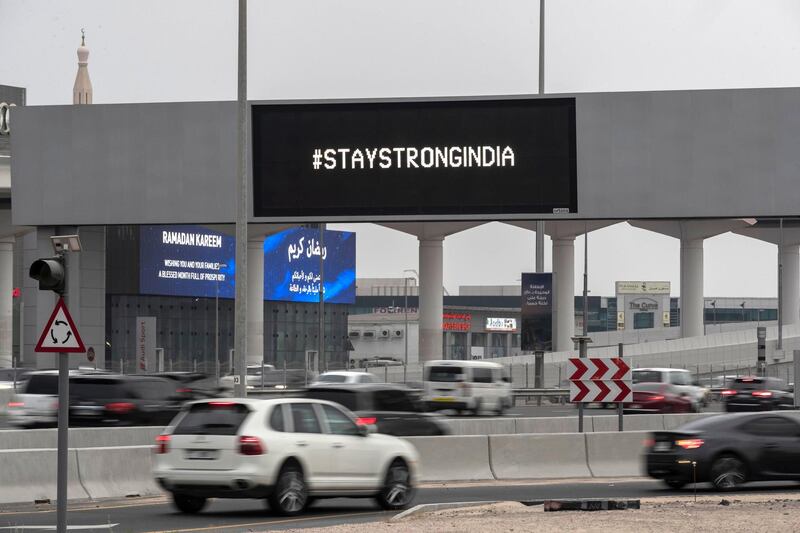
(286, 450)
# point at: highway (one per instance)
(156, 514)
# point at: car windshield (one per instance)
(347, 398)
(332, 378)
(212, 418)
(254, 371)
(646, 376)
(446, 373)
(42, 384)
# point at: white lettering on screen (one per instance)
(400, 157)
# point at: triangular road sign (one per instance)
(60, 334)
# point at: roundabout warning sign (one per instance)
(60, 334)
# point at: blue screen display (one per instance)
(291, 266)
(186, 261)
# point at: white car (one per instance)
(466, 386)
(679, 378)
(253, 376)
(348, 376)
(36, 400)
(287, 450)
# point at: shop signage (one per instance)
(643, 287)
(501, 324)
(643, 304)
(456, 322)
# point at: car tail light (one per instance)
(162, 444)
(250, 446)
(762, 393)
(221, 404)
(690, 444)
(12, 405)
(729, 392)
(120, 408)
(657, 397)
(183, 390)
(366, 420)
(649, 443)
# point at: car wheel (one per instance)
(675, 483)
(188, 504)
(397, 490)
(290, 496)
(728, 472)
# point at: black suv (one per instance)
(757, 394)
(393, 409)
(123, 400)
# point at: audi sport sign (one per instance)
(599, 380)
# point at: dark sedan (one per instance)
(392, 409)
(757, 394)
(727, 450)
(122, 400)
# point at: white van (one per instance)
(466, 386)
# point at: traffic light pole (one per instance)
(63, 430)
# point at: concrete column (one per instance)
(691, 287)
(431, 304)
(564, 293)
(790, 304)
(6, 301)
(255, 301)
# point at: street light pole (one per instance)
(240, 302)
(405, 334)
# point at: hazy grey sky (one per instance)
(173, 50)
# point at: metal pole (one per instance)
(780, 286)
(322, 361)
(405, 334)
(620, 408)
(582, 343)
(541, 69)
(240, 302)
(63, 441)
(262, 374)
(216, 333)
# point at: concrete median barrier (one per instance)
(630, 423)
(674, 421)
(11, 439)
(453, 458)
(615, 454)
(565, 424)
(495, 426)
(117, 471)
(538, 456)
(30, 475)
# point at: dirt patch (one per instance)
(736, 513)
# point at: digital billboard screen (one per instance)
(414, 158)
(292, 261)
(186, 261)
(537, 312)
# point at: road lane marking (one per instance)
(272, 522)
(84, 509)
(53, 528)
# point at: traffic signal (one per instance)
(50, 274)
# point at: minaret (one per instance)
(82, 91)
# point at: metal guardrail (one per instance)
(533, 393)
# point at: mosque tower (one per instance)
(82, 90)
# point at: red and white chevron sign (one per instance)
(599, 380)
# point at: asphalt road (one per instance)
(156, 514)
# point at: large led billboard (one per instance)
(414, 158)
(537, 312)
(292, 266)
(186, 261)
